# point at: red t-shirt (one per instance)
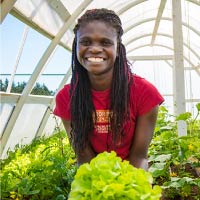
(143, 97)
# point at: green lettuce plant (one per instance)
(41, 170)
(107, 177)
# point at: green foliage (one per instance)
(173, 159)
(46, 168)
(184, 116)
(19, 87)
(181, 186)
(198, 107)
(108, 178)
(42, 170)
(3, 86)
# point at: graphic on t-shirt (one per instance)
(102, 123)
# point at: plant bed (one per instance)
(186, 187)
(45, 169)
(41, 170)
(175, 161)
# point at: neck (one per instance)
(101, 82)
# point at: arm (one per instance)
(142, 137)
(84, 156)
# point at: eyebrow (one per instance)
(102, 38)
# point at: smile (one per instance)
(93, 59)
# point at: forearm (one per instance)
(85, 156)
(139, 163)
(138, 155)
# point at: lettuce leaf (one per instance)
(107, 177)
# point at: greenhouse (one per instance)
(162, 41)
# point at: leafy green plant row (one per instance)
(41, 170)
(46, 168)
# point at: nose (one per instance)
(95, 48)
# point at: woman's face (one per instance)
(97, 47)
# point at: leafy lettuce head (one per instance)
(107, 177)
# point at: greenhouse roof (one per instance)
(146, 22)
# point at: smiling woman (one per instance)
(106, 107)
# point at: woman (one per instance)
(106, 107)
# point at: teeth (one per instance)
(95, 59)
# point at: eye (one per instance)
(85, 42)
(107, 42)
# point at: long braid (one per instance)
(81, 104)
(120, 93)
(83, 114)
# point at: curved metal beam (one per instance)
(163, 18)
(167, 47)
(197, 2)
(158, 20)
(161, 34)
(129, 6)
(132, 4)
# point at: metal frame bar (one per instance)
(151, 57)
(197, 2)
(13, 98)
(158, 19)
(129, 6)
(51, 105)
(193, 67)
(6, 7)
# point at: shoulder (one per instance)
(144, 94)
(62, 108)
(140, 82)
(63, 93)
(64, 90)
(141, 85)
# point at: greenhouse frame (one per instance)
(150, 27)
(162, 41)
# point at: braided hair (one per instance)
(83, 114)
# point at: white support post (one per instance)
(179, 80)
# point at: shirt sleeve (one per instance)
(62, 108)
(148, 97)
